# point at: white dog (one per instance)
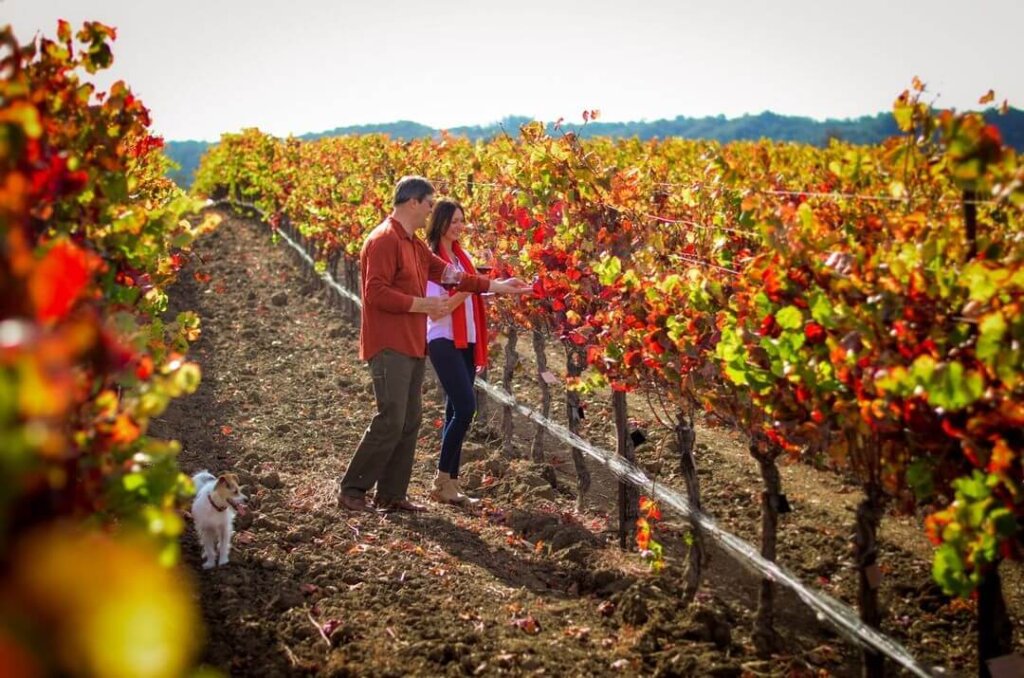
(213, 511)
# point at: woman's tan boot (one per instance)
(443, 491)
(460, 498)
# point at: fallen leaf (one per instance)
(580, 633)
(527, 624)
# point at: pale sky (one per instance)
(310, 65)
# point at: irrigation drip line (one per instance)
(841, 616)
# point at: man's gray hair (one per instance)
(412, 188)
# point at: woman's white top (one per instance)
(442, 329)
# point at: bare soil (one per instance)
(525, 584)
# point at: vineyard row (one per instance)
(841, 616)
(881, 337)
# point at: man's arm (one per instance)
(381, 267)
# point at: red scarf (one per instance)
(459, 329)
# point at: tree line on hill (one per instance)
(766, 125)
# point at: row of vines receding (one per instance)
(859, 307)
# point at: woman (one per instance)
(457, 345)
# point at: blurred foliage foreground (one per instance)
(91, 234)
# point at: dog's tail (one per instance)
(202, 478)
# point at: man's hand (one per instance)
(451, 303)
(435, 307)
(510, 286)
(438, 307)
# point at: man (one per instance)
(395, 268)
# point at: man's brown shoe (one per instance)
(400, 505)
(350, 503)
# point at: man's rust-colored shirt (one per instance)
(395, 268)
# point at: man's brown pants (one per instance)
(385, 454)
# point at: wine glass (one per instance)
(451, 277)
(486, 264)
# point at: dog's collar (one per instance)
(214, 504)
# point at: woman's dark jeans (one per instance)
(455, 369)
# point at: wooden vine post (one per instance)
(629, 496)
(686, 439)
(575, 362)
(867, 450)
(539, 346)
(511, 360)
(766, 639)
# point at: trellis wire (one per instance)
(841, 616)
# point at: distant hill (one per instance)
(403, 129)
(767, 125)
(187, 155)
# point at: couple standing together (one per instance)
(407, 313)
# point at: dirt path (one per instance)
(524, 586)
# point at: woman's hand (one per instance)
(456, 299)
(510, 286)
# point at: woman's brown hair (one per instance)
(440, 220)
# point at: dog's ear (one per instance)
(222, 480)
